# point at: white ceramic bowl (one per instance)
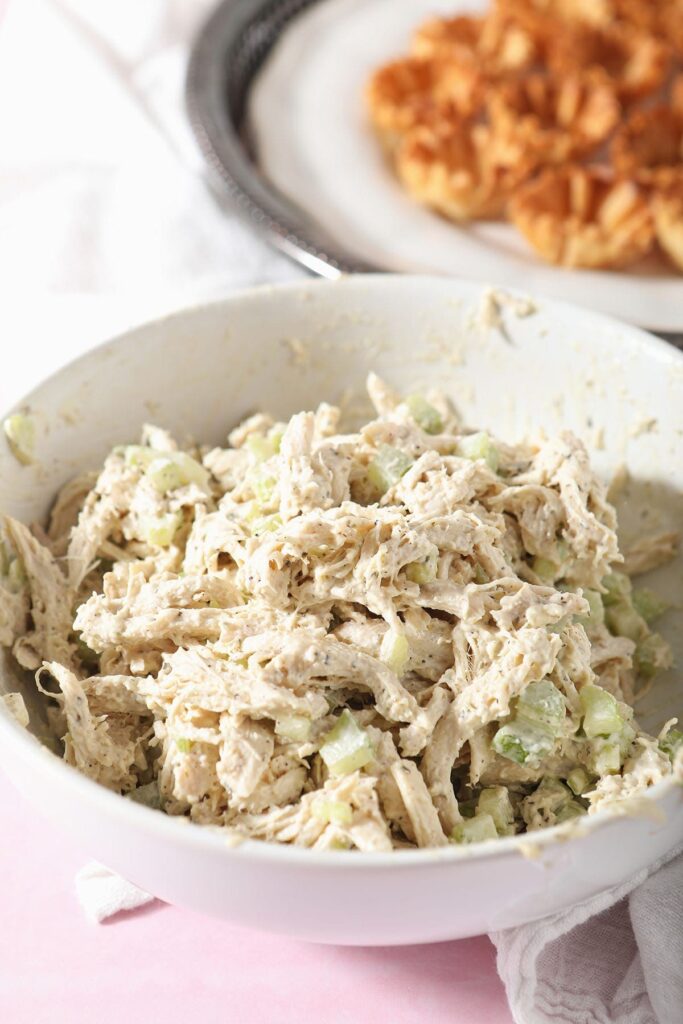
(201, 370)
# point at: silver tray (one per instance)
(226, 57)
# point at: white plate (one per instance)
(313, 142)
(200, 371)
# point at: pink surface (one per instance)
(163, 964)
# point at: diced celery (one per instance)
(601, 716)
(605, 756)
(625, 738)
(263, 487)
(562, 550)
(394, 651)
(387, 467)
(425, 571)
(544, 568)
(86, 654)
(624, 620)
(265, 524)
(341, 843)
(5, 558)
(648, 604)
(16, 575)
(16, 705)
(184, 745)
(475, 830)
(570, 811)
(555, 789)
(578, 781)
(20, 431)
(148, 796)
(293, 727)
(139, 456)
(424, 414)
(652, 655)
(467, 808)
(596, 614)
(346, 747)
(496, 803)
(522, 743)
(480, 575)
(338, 812)
(543, 703)
(159, 531)
(264, 447)
(480, 446)
(617, 588)
(671, 743)
(176, 469)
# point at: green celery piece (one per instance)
(596, 614)
(148, 796)
(578, 781)
(159, 531)
(184, 745)
(86, 655)
(338, 812)
(467, 808)
(606, 756)
(543, 703)
(652, 654)
(296, 728)
(262, 446)
(623, 620)
(495, 801)
(671, 743)
(479, 446)
(394, 651)
(601, 715)
(5, 558)
(648, 604)
(475, 830)
(570, 811)
(16, 575)
(20, 431)
(523, 743)
(425, 571)
(560, 792)
(617, 588)
(625, 738)
(544, 568)
(424, 414)
(265, 524)
(170, 470)
(563, 550)
(346, 746)
(139, 456)
(387, 467)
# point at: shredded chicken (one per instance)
(340, 640)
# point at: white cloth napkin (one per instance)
(104, 220)
(102, 893)
(615, 959)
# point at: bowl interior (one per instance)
(514, 367)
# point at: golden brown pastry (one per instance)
(649, 146)
(555, 118)
(457, 170)
(667, 207)
(581, 217)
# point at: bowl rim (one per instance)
(213, 838)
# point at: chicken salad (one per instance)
(406, 636)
